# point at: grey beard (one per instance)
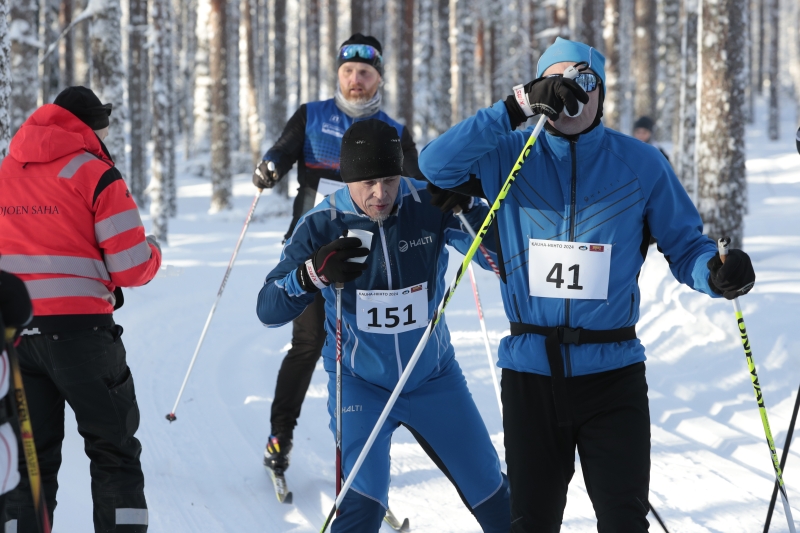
(359, 109)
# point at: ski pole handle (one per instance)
(722, 248)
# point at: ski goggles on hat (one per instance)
(349, 52)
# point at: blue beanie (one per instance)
(574, 52)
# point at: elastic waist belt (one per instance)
(61, 323)
(554, 338)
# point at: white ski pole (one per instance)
(722, 246)
(171, 416)
(523, 156)
(466, 224)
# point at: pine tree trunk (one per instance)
(138, 97)
(405, 57)
(645, 60)
(618, 29)
(722, 188)
(761, 56)
(221, 179)
(83, 48)
(279, 100)
(772, 12)
(66, 51)
(249, 17)
(163, 128)
(440, 86)
(25, 65)
(232, 54)
(311, 72)
(683, 154)
(108, 75)
(329, 50)
(202, 80)
(5, 83)
(462, 59)
(424, 51)
(48, 33)
(668, 70)
(188, 14)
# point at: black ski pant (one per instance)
(294, 377)
(611, 430)
(88, 369)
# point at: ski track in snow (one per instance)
(711, 469)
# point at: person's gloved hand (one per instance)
(16, 309)
(447, 200)
(265, 176)
(545, 95)
(733, 278)
(329, 264)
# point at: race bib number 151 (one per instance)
(393, 311)
(576, 270)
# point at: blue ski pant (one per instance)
(442, 416)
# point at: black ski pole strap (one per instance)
(554, 338)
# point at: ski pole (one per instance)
(475, 293)
(171, 416)
(722, 246)
(658, 518)
(523, 156)
(784, 455)
(28, 444)
(339, 287)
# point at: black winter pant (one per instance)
(88, 369)
(308, 338)
(611, 429)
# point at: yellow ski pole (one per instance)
(722, 246)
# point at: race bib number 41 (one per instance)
(576, 270)
(393, 311)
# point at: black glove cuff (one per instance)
(515, 115)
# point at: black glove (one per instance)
(733, 278)
(265, 176)
(546, 95)
(447, 200)
(330, 264)
(15, 303)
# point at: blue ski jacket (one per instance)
(605, 187)
(408, 249)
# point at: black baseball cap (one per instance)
(85, 105)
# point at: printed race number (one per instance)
(576, 270)
(393, 311)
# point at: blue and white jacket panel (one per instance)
(408, 248)
(605, 188)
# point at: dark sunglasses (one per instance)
(587, 81)
(363, 51)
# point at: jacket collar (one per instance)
(588, 144)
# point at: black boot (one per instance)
(276, 456)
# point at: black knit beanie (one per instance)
(370, 150)
(85, 105)
(358, 38)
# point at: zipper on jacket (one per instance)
(389, 281)
(573, 148)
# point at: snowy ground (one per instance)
(711, 470)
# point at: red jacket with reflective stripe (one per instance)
(68, 224)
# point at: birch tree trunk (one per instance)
(48, 33)
(683, 153)
(202, 80)
(5, 83)
(618, 34)
(25, 45)
(645, 58)
(232, 55)
(405, 57)
(462, 47)
(772, 12)
(311, 52)
(668, 70)
(66, 50)
(163, 127)
(424, 54)
(138, 97)
(760, 47)
(108, 75)
(722, 189)
(221, 179)
(188, 14)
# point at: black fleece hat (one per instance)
(85, 105)
(358, 38)
(370, 150)
(644, 122)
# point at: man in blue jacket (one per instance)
(387, 302)
(573, 234)
(312, 139)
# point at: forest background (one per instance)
(219, 78)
